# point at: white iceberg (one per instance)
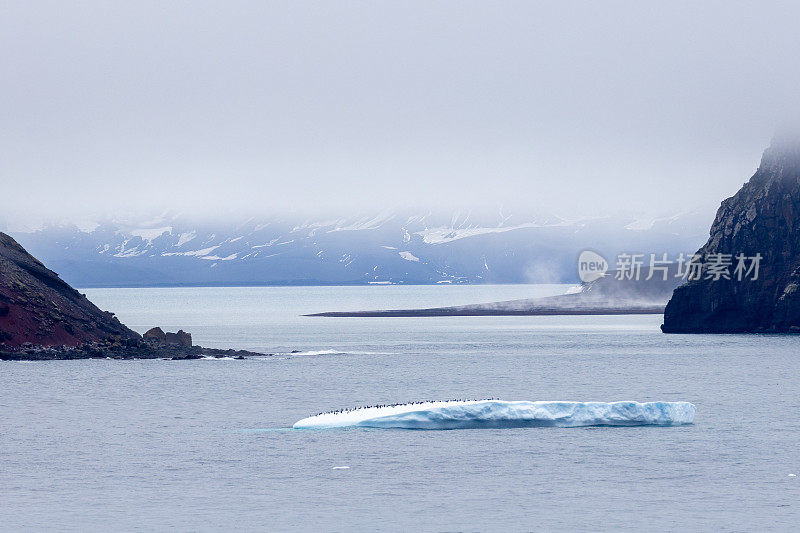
(502, 414)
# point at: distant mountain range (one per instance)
(386, 247)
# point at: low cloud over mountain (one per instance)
(385, 247)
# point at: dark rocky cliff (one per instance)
(762, 218)
(42, 317)
(38, 307)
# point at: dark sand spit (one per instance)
(479, 310)
(605, 296)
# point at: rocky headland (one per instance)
(42, 317)
(763, 219)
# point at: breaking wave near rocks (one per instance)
(473, 414)
(328, 352)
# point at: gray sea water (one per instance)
(204, 445)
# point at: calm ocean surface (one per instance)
(204, 445)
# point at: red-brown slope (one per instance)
(37, 306)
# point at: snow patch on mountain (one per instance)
(196, 253)
(185, 237)
(646, 223)
(443, 235)
(149, 234)
(365, 223)
(124, 251)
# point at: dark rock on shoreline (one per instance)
(155, 334)
(181, 338)
(132, 350)
(36, 306)
(43, 318)
(762, 218)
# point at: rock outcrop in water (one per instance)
(155, 334)
(42, 317)
(181, 338)
(762, 218)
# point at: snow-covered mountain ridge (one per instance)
(385, 247)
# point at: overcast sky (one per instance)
(263, 106)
